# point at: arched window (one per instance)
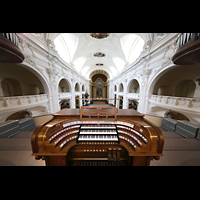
(66, 45)
(119, 63)
(79, 62)
(113, 70)
(132, 45)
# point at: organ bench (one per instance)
(97, 136)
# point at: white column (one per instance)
(124, 97)
(143, 95)
(54, 94)
(80, 100)
(117, 102)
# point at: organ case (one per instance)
(97, 136)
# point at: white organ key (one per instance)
(97, 127)
(98, 139)
(99, 132)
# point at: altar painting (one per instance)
(99, 91)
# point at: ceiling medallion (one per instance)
(99, 35)
(99, 55)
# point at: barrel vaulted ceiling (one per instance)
(111, 53)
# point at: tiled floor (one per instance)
(178, 151)
(19, 158)
(16, 151)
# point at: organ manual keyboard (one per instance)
(101, 132)
(97, 136)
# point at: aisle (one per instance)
(99, 103)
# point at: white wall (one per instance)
(153, 63)
(40, 72)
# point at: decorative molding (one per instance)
(99, 72)
(29, 59)
(50, 56)
(168, 41)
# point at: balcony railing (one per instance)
(64, 95)
(13, 102)
(9, 48)
(179, 103)
(133, 95)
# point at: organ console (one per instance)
(97, 136)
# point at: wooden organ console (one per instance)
(97, 136)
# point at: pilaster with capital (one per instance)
(54, 76)
(143, 100)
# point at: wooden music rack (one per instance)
(103, 112)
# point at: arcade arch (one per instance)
(11, 87)
(65, 103)
(185, 88)
(176, 115)
(83, 88)
(115, 88)
(44, 81)
(14, 83)
(121, 87)
(133, 86)
(19, 115)
(64, 86)
(77, 87)
(176, 81)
